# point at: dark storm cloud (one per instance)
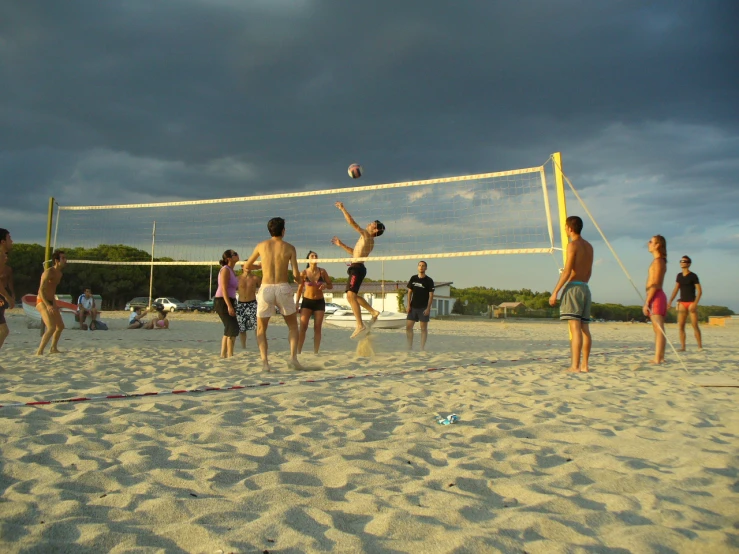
(121, 101)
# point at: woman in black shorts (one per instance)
(225, 301)
(315, 280)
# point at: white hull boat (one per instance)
(386, 320)
(68, 311)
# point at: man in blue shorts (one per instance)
(576, 300)
(418, 304)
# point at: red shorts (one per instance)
(685, 305)
(658, 306)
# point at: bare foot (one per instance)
(55, 351)
(265, 367)
(573, 370)
(656, 362)
(681, 349)
(358, 332)
(372, 321)
(39, 353)
(294, 364)
(584, 369)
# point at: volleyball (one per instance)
(355, 171)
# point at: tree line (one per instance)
(475, 300)
(118, 284)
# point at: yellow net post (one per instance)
(561, 207)
(47, 253)
(561, 203)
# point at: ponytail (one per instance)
(227, 255)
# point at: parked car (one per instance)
(171, 304)
(209, 305)
(331, 307)
(138, 302)
(198, 306)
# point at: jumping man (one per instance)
(357, 271)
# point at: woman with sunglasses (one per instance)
(655, 307)
(687, 283)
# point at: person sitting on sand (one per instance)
(86, 306)
(159, 321)
(275, 292)
(136, 319)
(357, 271)
(47, 306)
(576, 299)
(315, 281)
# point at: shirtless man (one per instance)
(7, 291)
(275, 290)
(46, 303)
(357, 272)
(576, 299)
(246, 308)
(656, 303)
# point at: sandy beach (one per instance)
(628, 458)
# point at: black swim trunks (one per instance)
(230, 323)
(356, 272)
(313, 305)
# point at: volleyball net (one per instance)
(505, 212)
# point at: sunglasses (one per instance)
(684, 262)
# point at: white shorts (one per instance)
(270, 296)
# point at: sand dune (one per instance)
(630, 458)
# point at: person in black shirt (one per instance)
(687, 283)
(418, 304)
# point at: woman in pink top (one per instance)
(225, 302)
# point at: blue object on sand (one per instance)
(448, 420)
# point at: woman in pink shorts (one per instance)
(655, 306)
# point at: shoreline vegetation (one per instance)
(118, 284)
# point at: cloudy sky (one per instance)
(142, 101)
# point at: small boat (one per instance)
(386, 320)
(68, 311)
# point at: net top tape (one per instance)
(311, 192)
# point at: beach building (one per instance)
(509, 309)
(384, 297)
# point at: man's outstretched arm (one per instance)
(337, 242)
(349, 218)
